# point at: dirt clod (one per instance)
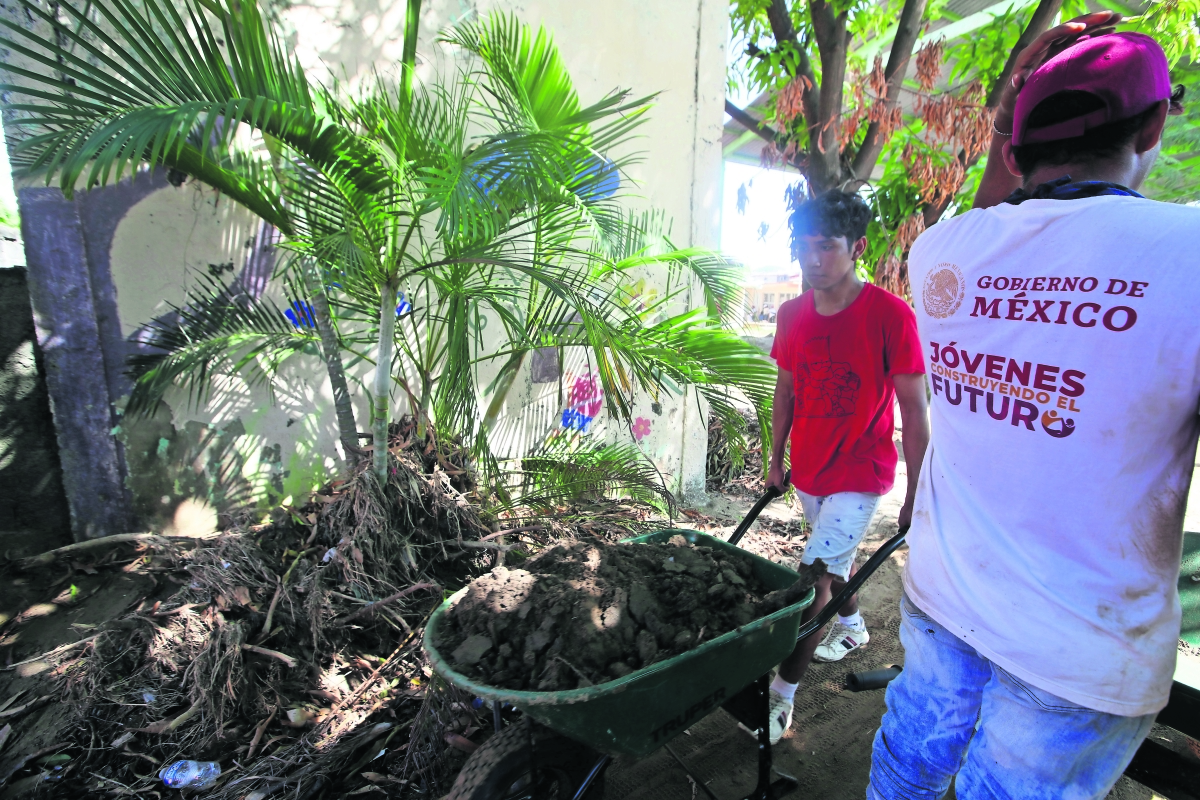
(587, 612)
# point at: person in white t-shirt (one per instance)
(1040, 614)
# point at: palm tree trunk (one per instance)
(383, 379)
(503, 387)
(331, 350)
(408, 56)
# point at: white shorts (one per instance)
(838, 522)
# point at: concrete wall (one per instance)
(243, 443)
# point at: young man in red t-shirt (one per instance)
(846, 352)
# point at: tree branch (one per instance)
(762, 129)
(907, 31)
(782, 29)
(1039, 23)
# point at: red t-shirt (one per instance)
(842, 367)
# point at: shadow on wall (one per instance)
(169, 466)
(241, 451)
(364, 36)
(32, 503)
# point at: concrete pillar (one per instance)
(68, 333)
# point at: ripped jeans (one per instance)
(953, 712)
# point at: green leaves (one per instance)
(131, 84)
(1176, 175)
(982, 55)
(489, 194)
(1175, 24)
(221, 330)
(572, 468)
(524, 73)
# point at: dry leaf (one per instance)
(461, 743)
(929, 64)
(789, 103)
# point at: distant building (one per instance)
(765, 293)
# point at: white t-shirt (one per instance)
(1047, 529)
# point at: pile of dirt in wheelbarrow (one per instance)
(588, 612)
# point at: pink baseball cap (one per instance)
(1127, 71)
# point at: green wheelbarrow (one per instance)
(566, 740)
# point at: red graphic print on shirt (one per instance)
(824, 388)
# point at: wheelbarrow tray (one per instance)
(637, 714)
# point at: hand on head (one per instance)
(1045, 47)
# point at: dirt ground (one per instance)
(828, 749)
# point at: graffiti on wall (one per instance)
(584, 399)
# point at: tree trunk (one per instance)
(387, 292)
(824, 150)
(408, 56)
(332, 352)
(907, 31)
(383, 379)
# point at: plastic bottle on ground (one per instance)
(190, 774)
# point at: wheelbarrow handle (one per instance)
(859, 578)
(770, 494)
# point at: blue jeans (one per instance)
(951, 711)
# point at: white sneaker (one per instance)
(779, 712)
(840, 640)
(780, 715)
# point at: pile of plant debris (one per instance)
(289, 652)
(589, 612)
(733, 469)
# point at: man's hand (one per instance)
(777, 477)
(1045, 47)
(914, 417)
(997, 182)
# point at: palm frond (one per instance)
(150, 82)
(220, 330)
(568, 469)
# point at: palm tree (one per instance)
(407, 212)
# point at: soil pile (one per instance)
(588, 612)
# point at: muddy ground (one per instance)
(828, 748)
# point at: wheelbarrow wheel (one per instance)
(499, 769)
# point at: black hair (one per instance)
(832, 214)
(1096, 144)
